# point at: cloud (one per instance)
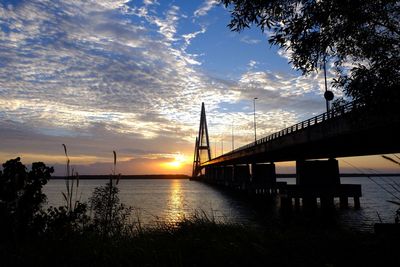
(111, 75)
(189, 36)
(286, 54)
(284, 99)
(81, 72)
(111, 4)
(252, 64)
(167, 26)
(248, 40)
(150, 2)
(141, 166)
(205, 8)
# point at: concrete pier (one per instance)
(263, 178)
(319, 179)
(315, 180)
(241, 176)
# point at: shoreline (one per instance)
(183, 176)
(128, 177)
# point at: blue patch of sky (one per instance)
(13, 3)
(240, 106)
(223, 53)
(4, 28)
(188, 6)
(226, 55)
(161, 8)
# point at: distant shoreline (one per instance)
(129, 177)
(182, 176)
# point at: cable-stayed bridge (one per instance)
(353, 129)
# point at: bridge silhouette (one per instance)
(354, 129)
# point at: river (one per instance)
(170, 200)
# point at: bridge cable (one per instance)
(396, 156)
(397, 187)
(398, 198)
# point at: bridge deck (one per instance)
(351, 130)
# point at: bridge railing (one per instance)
(333, 113)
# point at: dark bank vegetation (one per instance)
(99, 233)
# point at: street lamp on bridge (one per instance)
(255, 126)
(328, 95)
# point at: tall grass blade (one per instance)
(67, 176)
(65, 197)
(115, 161)
(77, 179)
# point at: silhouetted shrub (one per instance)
(21, 196)
(60, 222)
(110, 217)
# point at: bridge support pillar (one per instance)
(241, 177)
(318, 178)
(219, 178)
(317, 172)
(357, 202)
(344, 202)
(228, 175)
(264, 178)
(321, 179)
(209, 173)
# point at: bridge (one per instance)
(354, 129)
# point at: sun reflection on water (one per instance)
(176, 202)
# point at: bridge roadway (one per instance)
(351, 130)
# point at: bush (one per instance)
(110, 217)
(61, 223)
(21, 196)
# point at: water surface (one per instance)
(167, 200)
(171, 200)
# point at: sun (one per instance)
(177, 163)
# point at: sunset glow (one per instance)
(130, 76)
(177, 163)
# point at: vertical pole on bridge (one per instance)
(328, 95)
(202, 143)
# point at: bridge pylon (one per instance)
(202, 144)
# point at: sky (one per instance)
(130, 76)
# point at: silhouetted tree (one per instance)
(364, 33)
(21, 195)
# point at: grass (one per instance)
(200, 241)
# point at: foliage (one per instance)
(21, 195)
(61, 222)
(361, 38)
(205, 243)
(110, 217)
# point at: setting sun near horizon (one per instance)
(177, 163)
